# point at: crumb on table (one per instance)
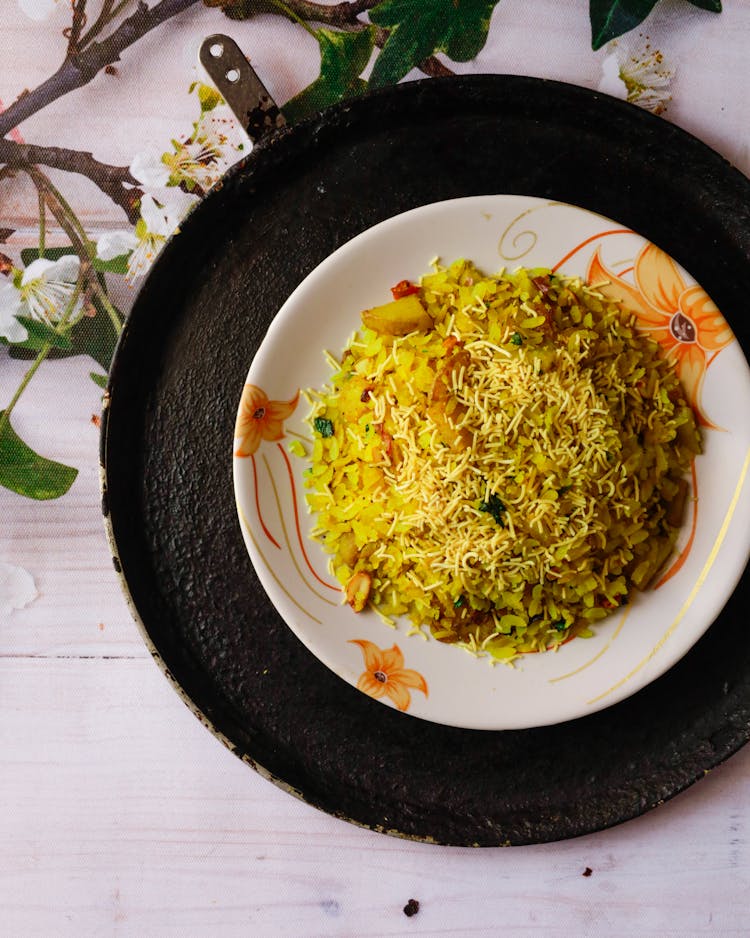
(411, 907)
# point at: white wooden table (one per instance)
(121, 814)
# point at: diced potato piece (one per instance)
(348, 548)
(399, 317)
(358, 590)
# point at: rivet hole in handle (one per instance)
(239, 85)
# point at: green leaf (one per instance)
(116, 265)
(612, 18)
(26, 472)
(28, 255)
(420, 28)
(343, 57)
(40, 334)
(91, 335)
(101, 380)
(96, 336)
(713, 6)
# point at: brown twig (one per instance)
(112, 180)
(73, 32)
(98, 24)
(79, 70)
(434, 68)
(107, 13)
(342, 14)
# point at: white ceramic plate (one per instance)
(424, 677)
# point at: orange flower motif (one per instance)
(682, 319)
(385, 674)
(260, 419)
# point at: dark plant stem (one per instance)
(340, 14)
(78, 70)
(435, 68)
(73, 33)
(112, 180)
(106, 15)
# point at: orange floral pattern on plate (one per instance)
(682, 319)
(259, 419)
(386, 676)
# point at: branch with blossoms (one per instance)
(55, 301)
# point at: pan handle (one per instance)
(240, 87)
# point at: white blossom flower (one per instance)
(641, 77)
(10, 306)
(149, 169)
(48, 286)
(114, 244)
(156, 224)
(38, 10)
(197, 162)
(43, 291)
(217, 142)
(200, 160)
(611, 83)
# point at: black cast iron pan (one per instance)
(167, 437)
